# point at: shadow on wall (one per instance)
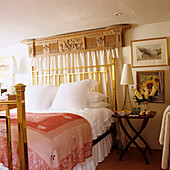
(22, 66)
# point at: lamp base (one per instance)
(13, 84)
(12, 90)
(127, 105)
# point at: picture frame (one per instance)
(5, 65)
(149, 52)
(150, 78)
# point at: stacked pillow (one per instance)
(69, 97)
(39, 97)
(73, 96)
(96, 99)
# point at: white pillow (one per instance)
(96, 97)
(71, 97)
(92, 84)
(39, 97)
(99, 104)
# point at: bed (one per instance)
(97, 120)
(164, 138)
(56, 62)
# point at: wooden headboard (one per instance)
(79, 42)
(82, 41)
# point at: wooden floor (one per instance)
(132, 160)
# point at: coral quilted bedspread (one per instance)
(55, 141)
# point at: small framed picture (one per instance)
(5, 65)
(149, 52)
(150, 78)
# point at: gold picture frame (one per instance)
(5, 65)
(148, 78)
(149, 52)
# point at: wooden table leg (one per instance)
(142, 139)
(132, 140)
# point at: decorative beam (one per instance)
(102, 38)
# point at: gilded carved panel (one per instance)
(71, 44)
(110, 37)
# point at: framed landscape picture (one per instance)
(5, 65)
(149, 52)
(150, 78)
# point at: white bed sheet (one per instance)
(164, 137)
(99, 118)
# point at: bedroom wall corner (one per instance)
(19, 51)
(137, 32)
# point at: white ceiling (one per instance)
(24, 19)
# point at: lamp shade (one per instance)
(13, 66)
(127, 78)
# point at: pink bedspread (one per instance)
(55, 141)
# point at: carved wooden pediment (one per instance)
(103, 38)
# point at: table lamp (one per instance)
(126, 80)
(13, 71)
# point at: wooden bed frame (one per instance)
(22, 133)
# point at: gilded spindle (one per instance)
(9, 145)
(99, 82)
(22, 132)
(33, 76)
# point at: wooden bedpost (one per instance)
(22, 131)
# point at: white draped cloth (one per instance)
(49, 64)
(164, 137)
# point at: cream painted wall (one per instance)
(151, 132)
(19, 51)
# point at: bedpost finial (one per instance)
(20, 87)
